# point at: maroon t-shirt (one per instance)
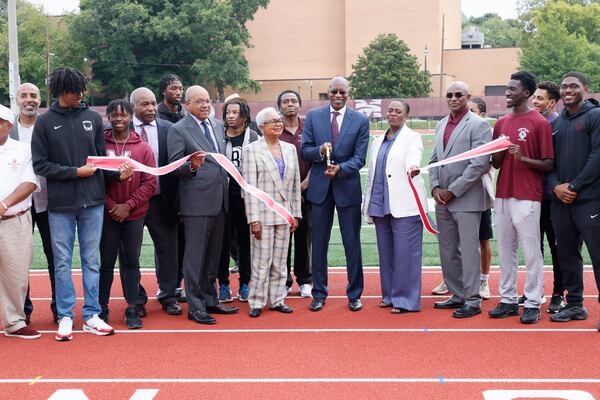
(533, 134)
(296, 140)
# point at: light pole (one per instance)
(14, 79)
(426, 52)
(89, 75)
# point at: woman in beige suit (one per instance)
(272, 166)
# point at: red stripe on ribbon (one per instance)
(112, 163)
(422, 213)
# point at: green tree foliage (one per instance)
(134, 42)
(564, 36)
(498, 32)
(32, 27)
(387, 69)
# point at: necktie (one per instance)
(335, 130)
(208, 135)
(143, 133)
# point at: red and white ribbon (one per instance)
(112, 163)
(494, 146)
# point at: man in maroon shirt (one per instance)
(519, 197)
(289, 103)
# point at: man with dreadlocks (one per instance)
(62, 140)
(171, 88)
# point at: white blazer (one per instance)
(406, 151)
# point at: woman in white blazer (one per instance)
(272, 166)
(390, 204)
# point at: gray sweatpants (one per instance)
(519, 221)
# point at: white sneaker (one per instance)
(65, 329)
(484, 290)
(440, 289)
(306, 290)
(98, 327)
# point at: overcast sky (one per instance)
(471, 8)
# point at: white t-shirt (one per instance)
(40, 197)
(15, 168)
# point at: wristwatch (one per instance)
(571, 188)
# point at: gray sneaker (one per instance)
(504, 310)
(569, 313)
(530, 315)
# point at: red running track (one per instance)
(333, 354)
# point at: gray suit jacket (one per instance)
(462, 178)
(204, 192)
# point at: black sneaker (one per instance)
(132, 318)
(556, 303)
(104, 314)
(569, 313)
(504, 310)
(530, 315)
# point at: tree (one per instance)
(32, 27)
(387, 69)
(564, 36)
(498, 32)
(133, 43)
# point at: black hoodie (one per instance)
(62, 140)
(576, 139)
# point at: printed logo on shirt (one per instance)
(88, 126)
(236, 156)
(523, 134)
(554, 133)
(57, 127)
(112, 153)
(14, 165)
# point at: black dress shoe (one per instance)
(448, 304)
(201, 317)
(466, 311)
(141, 310)
(255, 312)
(132, 318)
(317, 304)
(355, 305)
(172, 308)
(220, 309)
(283, 308)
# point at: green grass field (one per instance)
(336, 250)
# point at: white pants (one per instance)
(519, 221)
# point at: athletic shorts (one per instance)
(485, 227)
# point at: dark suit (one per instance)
(41, 220)
(161, 221)
(343, 192)
(203, 200)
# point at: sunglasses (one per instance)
(458, 95)
(335, 91)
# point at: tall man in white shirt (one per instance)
(28, 101)
(16, 242)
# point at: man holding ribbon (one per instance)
(203, 197)
(460, 197)
(335, 141)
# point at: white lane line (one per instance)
(437, 380)
(345, 330)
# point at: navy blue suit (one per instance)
(343, 192)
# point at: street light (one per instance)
(426, 51)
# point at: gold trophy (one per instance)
(328, 154)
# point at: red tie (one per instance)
(143, 133)
(335, 130)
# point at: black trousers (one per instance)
(163, 231)
(180, 252)
(41, 220)
(124, 238)
(236, 225)
(547, 229)
(573, 225)
(203, 243)
(301, 243)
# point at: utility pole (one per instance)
(442, 57)
(48, 54)
(13, 55)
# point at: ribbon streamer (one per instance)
(496, 145)
(112, 163)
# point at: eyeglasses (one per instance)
(458, 95)
(200, 102)
(335, 91)
(273, 122)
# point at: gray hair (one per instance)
(136, 92)
(261, 117)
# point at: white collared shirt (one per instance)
(340, 117)
(16, 168)
(210, 128)
(152, 133)
(40, 197)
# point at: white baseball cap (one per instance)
(6, 114)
